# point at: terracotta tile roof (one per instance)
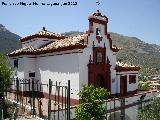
(115, 48)
(71, 41)
(76, 42)
(25, 50)
(43, 34)
(120, 66)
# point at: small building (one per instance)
(84, 59)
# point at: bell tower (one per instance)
(99, 65)
(98, 23)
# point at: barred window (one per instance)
(32, 74)
(132, 79)
(16, 63)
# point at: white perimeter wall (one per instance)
(132, 111)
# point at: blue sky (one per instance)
(138, 18)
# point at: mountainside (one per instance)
(8, 40)
(137, 52)
(134, 51)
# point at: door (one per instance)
(123, 85)
(100, 81)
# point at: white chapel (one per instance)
(84, 59)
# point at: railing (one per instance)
(56, 95)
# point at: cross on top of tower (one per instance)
(98, 3)
(98, 13)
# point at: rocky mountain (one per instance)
(8, 40)
(134, 51)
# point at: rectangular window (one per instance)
(132, 79)
(32, 74)
(16, 63)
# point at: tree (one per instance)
(6, 73)
(151, 112)
(91, 106)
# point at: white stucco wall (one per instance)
(29, 65)
(83, 68)
(19, 72)
(26, 64)
(88, 51)
(114, 82)
(130, 87)
(118, 83)
(60, 68)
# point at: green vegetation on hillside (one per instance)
(8, 40)
(151, 112)
(134, 51)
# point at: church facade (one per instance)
(84, 59)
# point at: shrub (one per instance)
(92, 100)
